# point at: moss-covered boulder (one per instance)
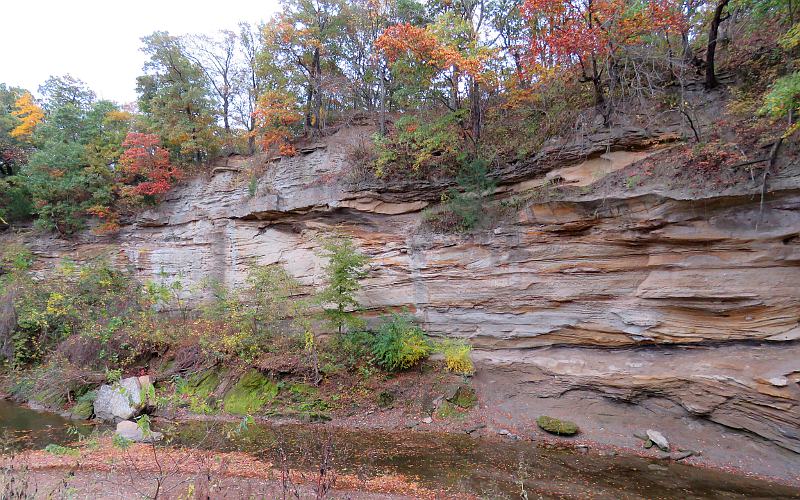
(250, 393)
(463, 397)
(556, 426)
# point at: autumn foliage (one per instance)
(29, 114)
(146, 166)
(420, 43)
(275, 116)
(568, 31)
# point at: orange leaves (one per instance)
(403, 40)
(30, 115)
(275, 116)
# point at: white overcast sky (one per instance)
(99, 41)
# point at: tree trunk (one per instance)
(475, 111)
(251, 138)
(317, 90)
(454, 90)
(225, 111)
(711, 78)
(382, 116)
(599, 98)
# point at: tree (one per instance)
(60, 91)
(589, 34)
(713, 33)
(249, 81)
(274, 118)
(215, 56)
(29, 115)
(175, 97)
(447, 51)
(145, 165)
(66, 175)
(346, 267)
(306, 36)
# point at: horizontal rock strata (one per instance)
(629, 299)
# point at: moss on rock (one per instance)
(464, 397)
(250, 393)
(203, 384)
(556, 426)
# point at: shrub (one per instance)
(420, 144)
(783, 98)
(456, 356)
(242, 323)
(400, 344)
(463, 208)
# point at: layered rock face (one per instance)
(689, 309)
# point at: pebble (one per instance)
(427, 420)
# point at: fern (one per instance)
(400, 344)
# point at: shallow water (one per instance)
(453, 462)
(23, 428)
(488, 469)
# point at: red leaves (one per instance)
(579, 28)
(146, 164)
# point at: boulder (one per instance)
(658, 439)
(121, 401)
(463, 396)
(131, 431)
(556, 426)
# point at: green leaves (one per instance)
(782, 98)
(346, 267)
(400, 344)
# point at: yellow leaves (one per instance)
(118, 117)
(29, 114)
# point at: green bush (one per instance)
(400, 344)
(783, 98)
(15, 200)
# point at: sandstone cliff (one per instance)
(620, 310)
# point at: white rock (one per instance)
(659, 439)
(130, 430)
(427, 420)
(121, 401)
(779, 381)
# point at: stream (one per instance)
(456, 463)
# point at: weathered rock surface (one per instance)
(120, 401)
(655, 309)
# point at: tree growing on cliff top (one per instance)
(346, 267)
(145, 165)
(589, 34)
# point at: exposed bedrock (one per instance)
(635, 299)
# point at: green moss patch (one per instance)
(203, 384)
(464, 397)
(556, 426)
(250, 393)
